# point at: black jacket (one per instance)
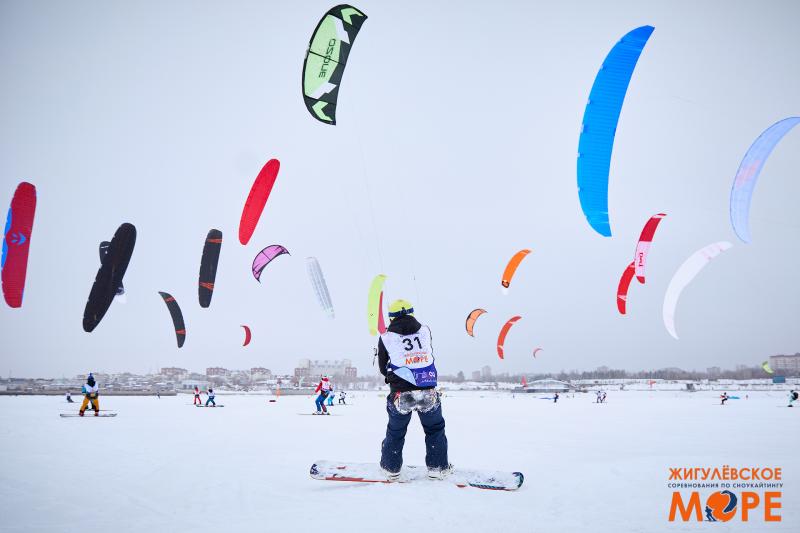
(404, 325)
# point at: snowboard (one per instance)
(315, 414)
(210, 406)
(86, 415)
(371, 473)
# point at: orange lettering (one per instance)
(750, 500)
(686, 512)
(769, 505)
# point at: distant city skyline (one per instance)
(788, 364)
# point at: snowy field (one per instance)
(162, 465)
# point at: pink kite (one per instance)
(381, 322)
(643, 246)
(264, 257)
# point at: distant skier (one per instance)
(90, 393)
(69, 398)
(405, 358)
(331, 395)
(792, 397)
(158, 393)
(342, 395)
(597, 399)
(724, 397)
(603, 397)
(322, 389)
(210, 399)
(197, 400)
(555, 397)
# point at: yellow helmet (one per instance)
(399, 308)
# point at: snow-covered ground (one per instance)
(162, 465)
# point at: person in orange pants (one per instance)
(90, 393)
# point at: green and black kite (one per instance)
(326, 58)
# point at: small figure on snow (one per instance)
(792, 397)
(405, 358)
(210, 399)
(90, 393)
(724, 397)
(69, 398)
(555, 397)
(603, 397)
(342, 395)
(331, 395)
(322, 389)
(197, 400)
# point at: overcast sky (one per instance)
(455, 147)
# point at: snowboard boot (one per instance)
(390, 476)
(440, 473)
(97, 412)
(80, 413)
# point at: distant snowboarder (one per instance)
(724, 398)
(555, 397)
(405, 358)
(792, 397)
(69, 398)
(342, 395)
(603, 397)
(197, 400)
(331, 395)
(90, 393)
(322, 389)
(210, 399)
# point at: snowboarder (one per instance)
(341, 397)
(792, 397)
(597, 399)
(603, 397)
(69, 398)
(724, 397)
(555, 397)
(331, 395)
(210, 399)
(322, 389)
(197, 400)
(405, 358)
(90, 393)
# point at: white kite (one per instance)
(684, 275)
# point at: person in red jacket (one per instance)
(197, 400)
(323, 389)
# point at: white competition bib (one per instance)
(411, 356)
